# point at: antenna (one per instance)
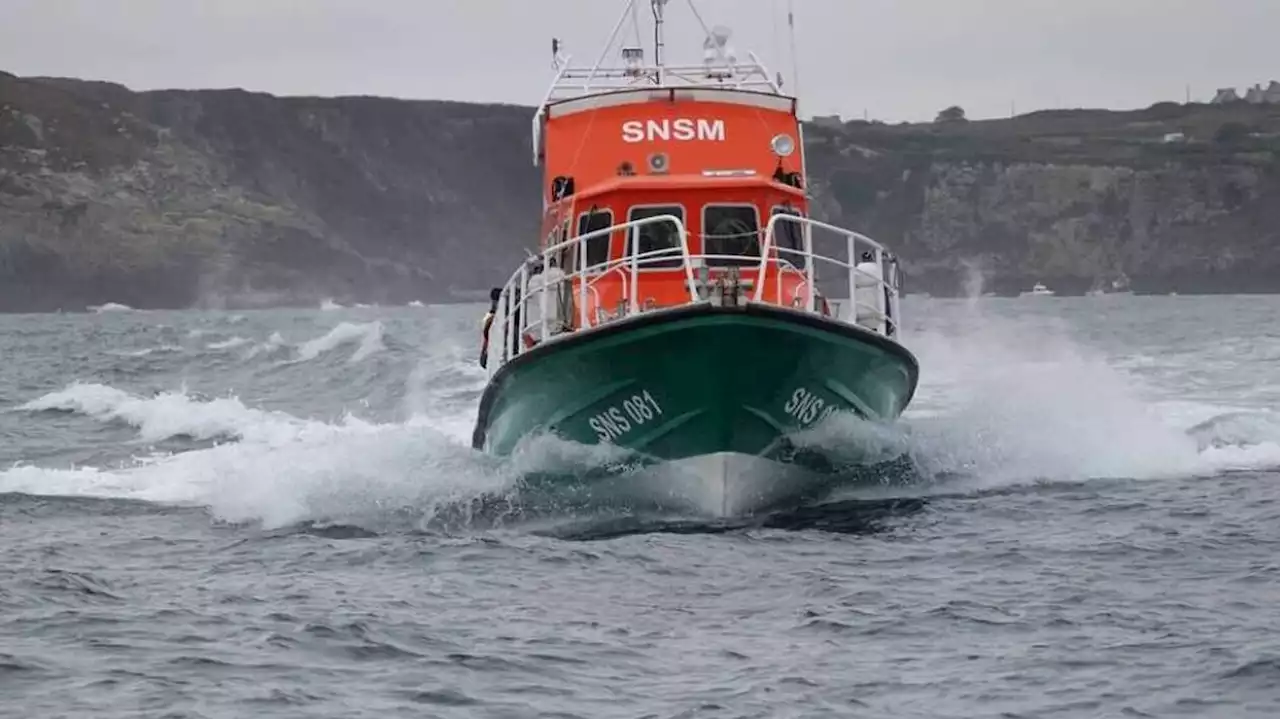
(795, 67)
(659, 6)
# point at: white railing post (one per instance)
(881, 290)
(508, 331)
(582, 282)
(769, 229)
(635, 272)
(542, 302)
(808, 267)
(852, 261)
(523, 306)
(688, 263)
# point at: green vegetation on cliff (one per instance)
(180, 198)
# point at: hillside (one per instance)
(180, 198)
(230, 198)
(1178, 197)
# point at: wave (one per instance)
(110, 307)
(169, 415)
(1001, 403)
(368, 335)
(230, 343)
(147, 351)
(276, 468)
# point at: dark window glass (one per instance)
(657, 236)
(788, 236)
(598, 246)
(731, 230)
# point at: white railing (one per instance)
(629, 265)
(881, 288)
(873, 295)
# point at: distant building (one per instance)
(1226, 95)
(833, 121)
(1259, 96)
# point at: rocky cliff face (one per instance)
(216, 198)
(1165, 197)
(228, 198)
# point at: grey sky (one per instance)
(895, 59)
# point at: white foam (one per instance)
(110, 307)
(367, 334)
(170, 414)
(272, 344)
(162, 349)
(284, 469)
(1011, 401)
(230, 343)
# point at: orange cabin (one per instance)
(721, 161)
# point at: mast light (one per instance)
(633, 59)
(717, 55)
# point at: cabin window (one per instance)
(598, 246)
(657, 236)
(788, 236)
(732, 230)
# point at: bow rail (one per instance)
(542, 302)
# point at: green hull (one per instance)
(712, 390)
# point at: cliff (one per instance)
(1175, 197)
(230, 198)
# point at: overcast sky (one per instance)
(894, 59)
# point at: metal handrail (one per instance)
(884, 311)
(521, 276)
(852, 239)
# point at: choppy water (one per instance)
(278, 514)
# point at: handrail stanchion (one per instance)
(542, 303)
(509, 333)
(524, 306)
(764, 258)
(635, 272)
(882, 287)
(852, 251)
(808, 268)
(688, 264)
(505, 328)
(582, 282)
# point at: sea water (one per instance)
(277, 513)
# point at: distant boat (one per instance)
(1039, 290)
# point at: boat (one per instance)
(674, 309)
(1039, 290)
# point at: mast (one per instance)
(659, 8)
(795, 66)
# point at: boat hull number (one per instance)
(808, 408)
(624, 417)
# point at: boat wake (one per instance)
(1004, 406)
